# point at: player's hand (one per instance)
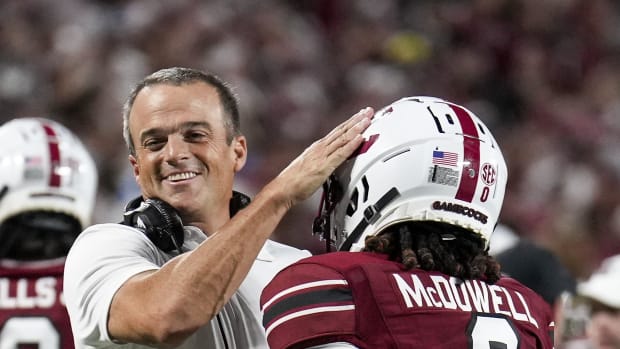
(309, 170)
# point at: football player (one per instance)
(48, 183)
(417, 203)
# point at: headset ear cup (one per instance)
(167, 227)
(130, 207)
(158, 220)
(238, 201)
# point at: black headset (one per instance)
(161, 223)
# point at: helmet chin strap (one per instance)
(371, 213)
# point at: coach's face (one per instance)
(182, 153)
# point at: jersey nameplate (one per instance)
(29, 294)
(436, 291)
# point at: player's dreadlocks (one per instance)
(437, 246)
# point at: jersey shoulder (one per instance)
(539, 306)
(517, 286)
(311, 301)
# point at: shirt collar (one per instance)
(264, 254)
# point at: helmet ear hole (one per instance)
(353, 203)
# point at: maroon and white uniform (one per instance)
(364, 299)
(32, 310)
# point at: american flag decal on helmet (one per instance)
(445, 158)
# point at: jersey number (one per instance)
(37, 331)
(491, 331)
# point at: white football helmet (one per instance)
(423, 159)
(45, 167)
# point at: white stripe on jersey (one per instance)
(307, 312)
(303, 287)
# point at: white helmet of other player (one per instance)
(45, 167)
(423, 159)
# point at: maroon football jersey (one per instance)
(32, 310)
(366, 300)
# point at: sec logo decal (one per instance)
(488, 174)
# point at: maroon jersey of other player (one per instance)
(32, 310)
(364, 299)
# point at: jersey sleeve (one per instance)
(101, 260)
(308, 304)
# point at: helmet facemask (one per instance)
(332, 194)
(37, 235)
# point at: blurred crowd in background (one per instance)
(543, 75)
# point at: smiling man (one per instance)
(176, 272)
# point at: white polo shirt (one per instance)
(105, 256)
